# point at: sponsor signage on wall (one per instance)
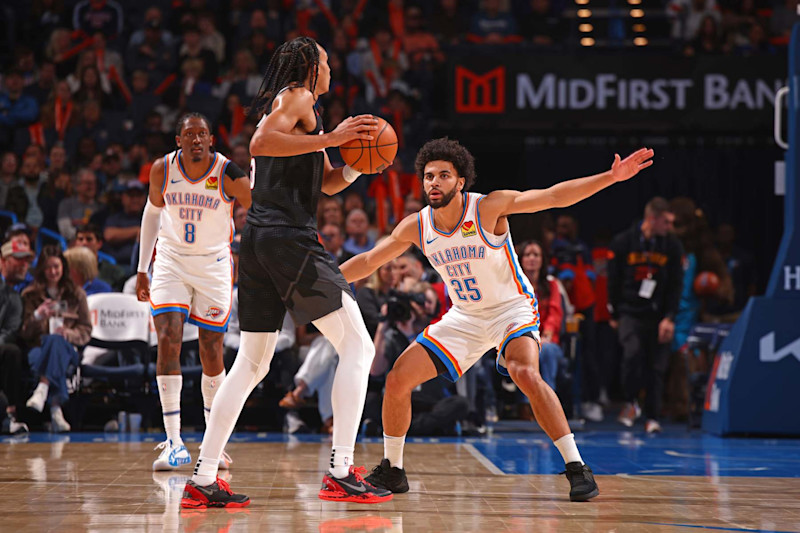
(665, 94)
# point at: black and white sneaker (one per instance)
(581, 482)
(389, 477)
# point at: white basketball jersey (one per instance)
(480, 270)
(198, 216)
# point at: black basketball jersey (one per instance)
(286, 189)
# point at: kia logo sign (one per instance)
(480, 93)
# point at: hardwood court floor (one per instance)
(456, 485)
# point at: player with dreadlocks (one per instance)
(283, 267)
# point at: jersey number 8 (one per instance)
(188, 232)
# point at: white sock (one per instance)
(393, 449)
(345, 330)
(41, 389)
(55, 410)
(569, 450)
(341, 460)
(169, 391)
(209, 385)
(249, 368)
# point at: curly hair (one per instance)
(291, 64)
(445, 149)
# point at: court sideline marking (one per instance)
(482, 459)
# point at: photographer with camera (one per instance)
(436, 407)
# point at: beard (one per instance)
(444, 201)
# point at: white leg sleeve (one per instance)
(345, 329)
(251, 365)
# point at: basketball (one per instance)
(372, 157)
(706, 284)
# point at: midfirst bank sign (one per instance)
(676, 93)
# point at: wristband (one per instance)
(350, 174)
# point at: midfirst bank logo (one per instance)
(480, 93)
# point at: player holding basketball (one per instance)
(189, 212)
(466, 238)
(283, 266)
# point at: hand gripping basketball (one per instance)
(371, 154)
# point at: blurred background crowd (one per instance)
(90, 94)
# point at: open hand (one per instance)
(627, 168)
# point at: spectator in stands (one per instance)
(741, 266)
(241, 156)
(152, 17)
(30, 172)
(57, 188)
(83, 270)
(543, 25)
(380, 62)
(55, 321)
(421, 47)
(60, 117)
(210, 38)
(490, 25)
(154, 54)
(8, 175)
(374, 293)
(357, 229)
(94, 126)
(59, 50)
(104, 16)
(329, 211)
(708, 41)
(260, 48)
(644, 290)
(57, 160)
(687, 17)
(239, 220)
(47, 16)
(11, 361)
(244, 77)
(573, 264)
(76, 210)
(755, 42)
(143, 99)
(332, 240)
(122, 229)
(16, 108)
(45, 83)
(91, 237)
(192, 48)
(16, 260)
(533, 259)
(784, 17)
(107, 61)
(91, 88)
(450, 23)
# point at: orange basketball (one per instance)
(372, 157)
(706, 284)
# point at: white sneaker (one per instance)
(629, 414)
(652, 426)
(592, 411)
(37, 399)
(60, 424)
(225, 461)
(172, 456)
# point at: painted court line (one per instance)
(482, 459)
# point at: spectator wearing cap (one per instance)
(17, 257)
(122, 229)
(83, 270)
(76, 210)
(91, 237)
(16, 108)
(154, 54)
(92, 16)
(110, 178)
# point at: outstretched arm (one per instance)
(362, 265)
(566, 193)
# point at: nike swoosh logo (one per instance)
(430, 241)
(220, 259)
(357, 488)
(174, 181)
